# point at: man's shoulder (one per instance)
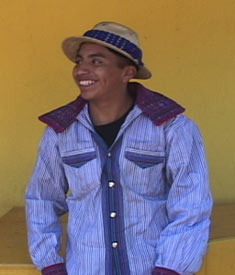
(181, 126)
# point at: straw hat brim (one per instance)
(71, 45)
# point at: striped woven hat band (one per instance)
(118, 42)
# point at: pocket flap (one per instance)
(77, 159)
(144, 159)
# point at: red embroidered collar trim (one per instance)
(155, 106)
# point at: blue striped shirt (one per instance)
(141, 203)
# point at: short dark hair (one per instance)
(123, 61)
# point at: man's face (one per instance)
(97, 73)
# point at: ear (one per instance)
(129, 73)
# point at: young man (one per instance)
(127, 166)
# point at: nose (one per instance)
(81, 69)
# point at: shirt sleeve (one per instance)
(45, 203)
(183, 242)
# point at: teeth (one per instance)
(86, 82)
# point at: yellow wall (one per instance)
(189, 46)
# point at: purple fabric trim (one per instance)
(137, 158)
(81, 158)
(103, 149)
(57, 269)
(163, 271)
(63, 117)
(119, 208)
(155, 106)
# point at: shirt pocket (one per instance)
(82, 170)
(143, 171)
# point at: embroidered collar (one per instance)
(155, 106)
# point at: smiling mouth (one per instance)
(86, 83)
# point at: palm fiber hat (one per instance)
(114, 36)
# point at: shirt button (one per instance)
(109, 154)
(111, 184)
(114, 244)
(113, 214)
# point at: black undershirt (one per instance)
(109, 131)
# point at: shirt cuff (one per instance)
(57, 269)
(163, 271)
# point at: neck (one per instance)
(107, 111)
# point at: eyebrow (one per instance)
(92, 55)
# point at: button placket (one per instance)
(110, 190)
(112, 215)
(112, 210)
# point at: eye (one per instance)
(96, 61)
(78, 61)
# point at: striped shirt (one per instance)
(144, 202)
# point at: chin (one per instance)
(87, 96)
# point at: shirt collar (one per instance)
(155, 106)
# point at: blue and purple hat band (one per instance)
(118, 42)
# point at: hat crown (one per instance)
(120, 30)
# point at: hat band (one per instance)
(117, 41)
